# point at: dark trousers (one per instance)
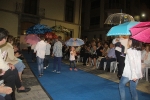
(29, 49)
(33, 55)
(57, 61)
(85, 57)
(108, 61)
(121, 63)
(46, 60)
(11, 79)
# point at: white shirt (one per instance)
(40, 48)
(48, 47)
(3, 65)
(72, 57)
(132, 69)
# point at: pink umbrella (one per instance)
(140, 27)
(32, 39)
(141, 32)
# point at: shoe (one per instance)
(87, 65)
(54, 71)
(40, 76)
(84, 64)
(70, 69)
(75, 69)
(25, 90)
(47, 65)
(58, 72)
(44, 67)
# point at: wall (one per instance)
(9, 21)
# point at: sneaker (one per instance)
(54, 71)
(44, 67)
(87, 65)
(70, 69)
(47, 65)
(75, 69)
(40, 76)
(58, 72)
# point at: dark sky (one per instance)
(147, 2)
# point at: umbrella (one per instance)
(141, 32)
(50, 35)
(74, 42)
(32, 39)
(122, 29)
(118, 18)
(38, 29)
(60, 28)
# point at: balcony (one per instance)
(26, 9)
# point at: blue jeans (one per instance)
(74, 62)
(122, 85)
(57, 60)
(40, 65)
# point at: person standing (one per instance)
(120, 59)
(132, 70)
(57, 53)
(33, 53)
(40, 53)
(47, 54)
(72, 58)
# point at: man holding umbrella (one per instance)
(57, 53)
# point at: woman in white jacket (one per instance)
(132, 70)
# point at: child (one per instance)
(72, 58)
(132, 70)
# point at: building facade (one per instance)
(95, 12)
(18, 15)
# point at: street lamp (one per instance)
(143, 15)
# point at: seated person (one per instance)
(10, 76)
(82, 51)
(85, 52)
(146, 58)
(99, 49)
(109, 58)
(17, 53)
(93, 56)
(105, 49)
(11, 57)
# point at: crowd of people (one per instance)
(131, 55)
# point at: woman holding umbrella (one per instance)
(132, 70)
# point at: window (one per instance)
(95, 20)
(95, 4)
(69, 11)
(30, 7)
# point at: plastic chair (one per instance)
(113, 66)
(146, 68)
